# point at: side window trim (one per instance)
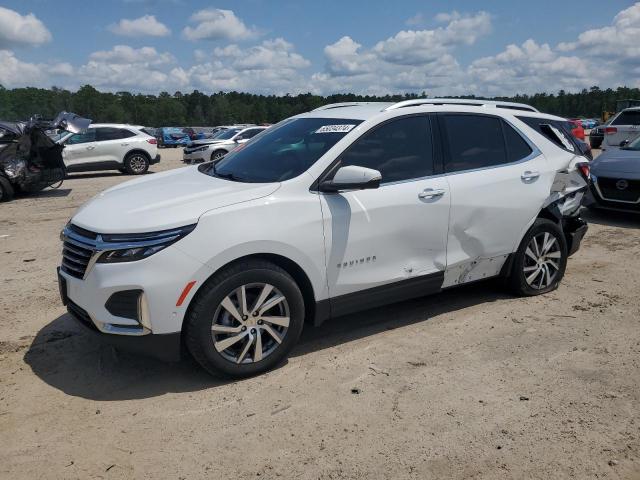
(535, 151)
(435, 147)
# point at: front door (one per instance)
(390, 240)
(80, 149)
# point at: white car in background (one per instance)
(110, 146)
(215, 148)
(345, 208)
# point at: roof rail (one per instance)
(462, 101)
(344, 104)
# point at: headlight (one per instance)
(199, 149)
(129, 247)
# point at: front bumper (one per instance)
(165, 347)
(195, 157)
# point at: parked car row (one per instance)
(223, 141)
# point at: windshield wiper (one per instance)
(226, 176)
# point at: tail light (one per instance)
(152, 141)
(585, 170)
(610, 130)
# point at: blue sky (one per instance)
(454, 47)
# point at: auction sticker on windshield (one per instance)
(335, 128)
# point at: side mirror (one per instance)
(352, 178)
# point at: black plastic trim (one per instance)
(89, 167)
(378, 296)
(124, 304)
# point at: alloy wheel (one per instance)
(217, 156)
(250, 323)
(137, 163)
(542, 260)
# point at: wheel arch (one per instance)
(136, 150)
(291, 267)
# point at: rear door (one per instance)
(113, 143)
(624, 127)
(498, 182)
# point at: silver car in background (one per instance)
(624, 126)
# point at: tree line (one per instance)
(199, 109)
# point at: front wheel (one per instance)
(540, 261)
(136, 164)
(218, 155)
(245, 320)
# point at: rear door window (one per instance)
(473, 141)
(110, 133)
(517, 147)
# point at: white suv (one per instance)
(109, 146)
(215, 148)
(344, 208)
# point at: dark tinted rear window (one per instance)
(474, 141)
(628, 118)
(110, 133)
(517, 147)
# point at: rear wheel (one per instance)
(540, 261)
(136, 163)
(245, 320)
(6, 190)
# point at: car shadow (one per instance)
(51, 193)
(611, 218)
(67, 357)
(115, 173)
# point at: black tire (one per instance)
(136, 163)
(6, 190)
(218, 155)
(198, 335)
(517, 280)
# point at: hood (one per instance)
(161, 201)
(617, 161)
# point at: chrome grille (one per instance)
(610, 189)
(78, 247)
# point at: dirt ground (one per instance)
(472, 383)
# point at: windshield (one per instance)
(226, 134)
(634, 145)
(283, 151)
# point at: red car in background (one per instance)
(576, 129)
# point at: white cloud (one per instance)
(15, 73)
(416, 20)
(217, 24)
(413, 47)
(272, 67)
(16, 29)
(140, 27)
(124, 54)
(619, 40)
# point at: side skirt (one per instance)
(378, 296)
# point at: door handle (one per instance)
(124, 144)
(530, 175)
(90, 148)
(431, 193)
